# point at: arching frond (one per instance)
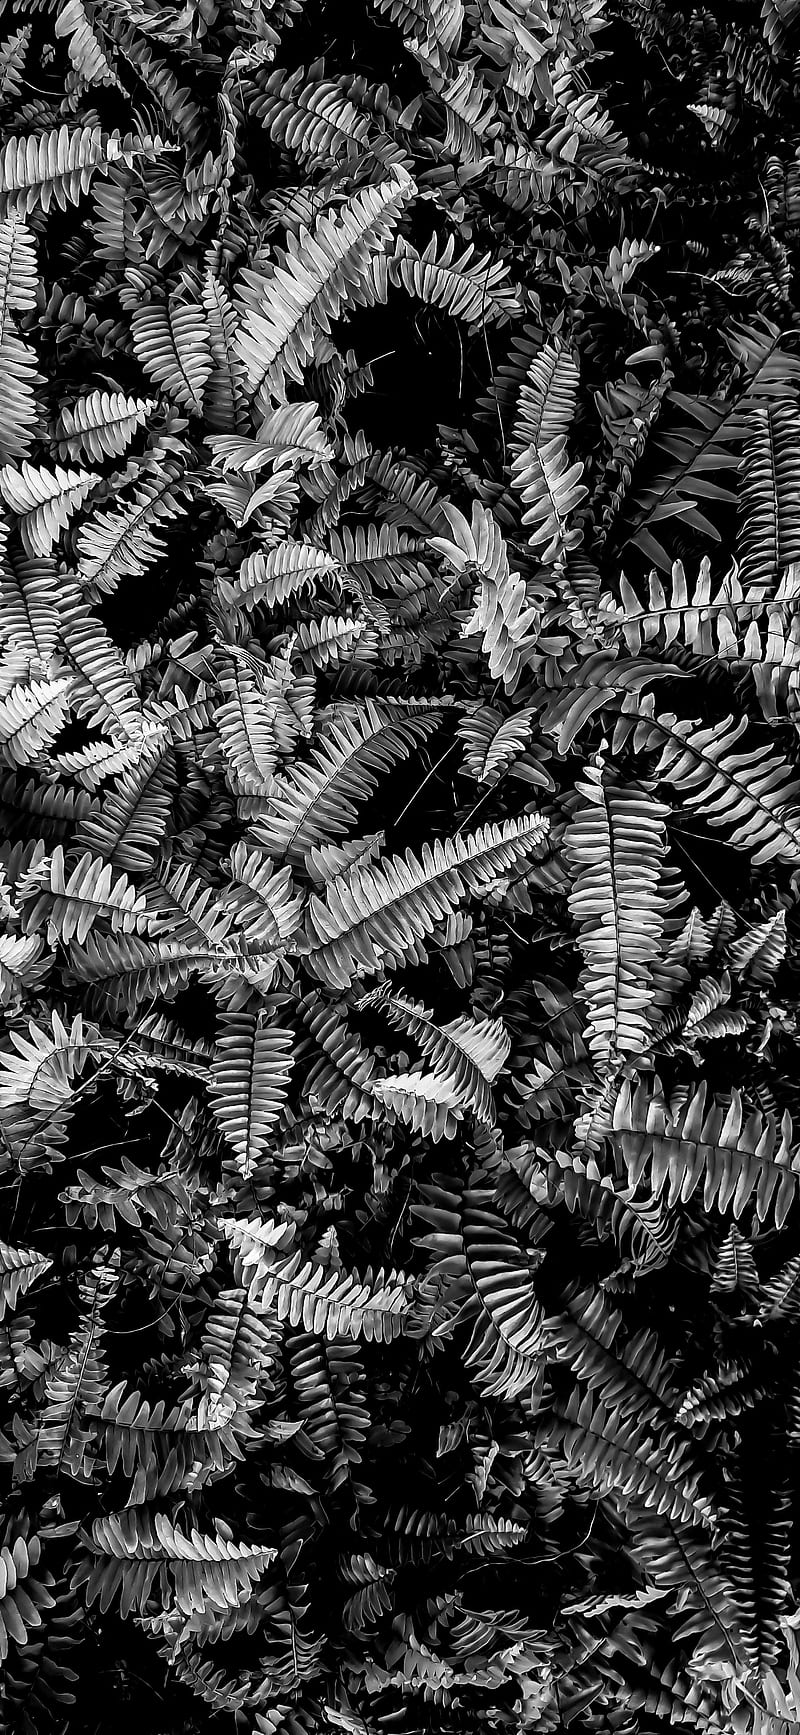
(322, 271)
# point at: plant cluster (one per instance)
(399, 930)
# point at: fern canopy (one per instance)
(399, 867)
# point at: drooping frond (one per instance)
(19, 1268)
(128, 1551)
(474, 290)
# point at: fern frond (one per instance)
(130, 1551)
(19, 276)
(304, 1293)
(616, 845)
(374, 917)
(551, 490)
(171, 340)
(471, 289)
(19, 1268)
(124, 541)
(321, 272)
(502, 615)
(130, 822)
(468, 1054)
(318, 800)
(239, 1345)
(68, 905)
(44, 501)
(270, 577)
(24, 1593)
(101, 425)
(495, 1285)
(547, 398)
(606, 1454)
(752, 793)
(58, 167)
(770, 521)
(314, 120)
(251, 1069)
(28, 612)
(102, 689)
(31, 716)
(738, 1157)
(83, 47)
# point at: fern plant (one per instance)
(399, 674)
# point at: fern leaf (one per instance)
(374, 917)
(471, 289)
(321, 272)
(31, 717)
(125, 541)
(495, 1276)
(605, 1454)
(19, 1268)
(424, 1100)
(23, 1596)
(551, 490)
(317, 801)
(616, 845)
(238, 1345)
(770, 531)
(336, 1303)
(752, 793)
(70, 904)
(281, 572)
(19, 276)
(101, 424)
(172, 343)
(547, 398)
(439, 24)
(44, 501)
(737, 1157)
(83, 47)
(313, 119)
(224, 397)
(468, 1054)
(129, 1551)
(58, 167)
(251, 1068)
(507, 625)
(246, 730)
(28, 612)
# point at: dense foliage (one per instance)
(399, 930)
